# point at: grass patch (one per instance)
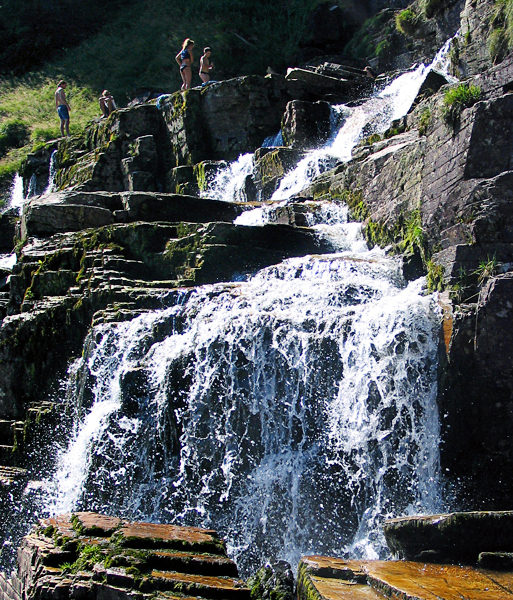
(458, 98)
(28, 117)
(500, 36)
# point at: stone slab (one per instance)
(401, 580)
(420, 581)
(453, 537)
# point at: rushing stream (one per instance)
(292, 411)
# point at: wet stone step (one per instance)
(187, 562)
(204, 586)
(416, 580)
(7, 456)
(103, 553)
(325, 578)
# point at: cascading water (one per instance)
(292, 411)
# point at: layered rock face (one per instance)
(87, 555)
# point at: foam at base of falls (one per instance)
(240, 407)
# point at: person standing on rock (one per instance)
(185, 59)
(107, 103)
(62, 106)
(206, 65)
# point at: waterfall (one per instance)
(230, 181)
(52, 169)
(373, 116)
(292, 411)
(16, 197)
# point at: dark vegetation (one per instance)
(34, 31)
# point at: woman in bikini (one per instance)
(185, 59)
(205, 65)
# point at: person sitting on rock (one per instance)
(206, 65)
(107, 103)
(185, 59)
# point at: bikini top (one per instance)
(184, 54)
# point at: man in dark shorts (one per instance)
(62, 106)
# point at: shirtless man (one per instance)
(62, 106)
(205, 65)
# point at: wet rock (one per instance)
(223, 120)
(174, 208)
(35, 169)
(496, 561)
(306, 124)
(87, 555)
(48, 215)
(336, 579)
(271, 165)
(453, 537)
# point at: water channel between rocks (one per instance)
(292, 411)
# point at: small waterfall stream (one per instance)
(292, 411)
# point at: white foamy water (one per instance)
(229, 182)
(293, 411)
(16, 197)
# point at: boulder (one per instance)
(273, 580)
(240, 113)
(306, 124)
(224, 119)
(59, 212)
(450, 538)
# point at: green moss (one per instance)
(88, 556)
(498, 44)
(424, 121)
(435, 274)
(458, 98)
(486, 269)
(500, 36)
(358, 210)
(407, 22)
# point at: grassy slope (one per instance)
(136, 50)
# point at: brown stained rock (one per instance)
(210, 587)
(117, 565)
(399, 580)
(414, 581)
(336, 568)
(338, 589)
(151, 535)
(192, 562)
(98, 525)
(61, 525)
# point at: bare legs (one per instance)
(186, 77)
(64, 125)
